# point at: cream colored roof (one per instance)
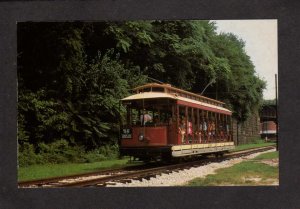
(149, 95)
(202, 103)
(153, 95)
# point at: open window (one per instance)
(149, 112)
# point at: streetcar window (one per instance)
(146, 90)
(149, 113)
(157, 89)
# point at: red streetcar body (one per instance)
(161, 119)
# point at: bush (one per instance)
(258, 141)
(94, 156)
(105, 152)
(60, 151)
(27, 155)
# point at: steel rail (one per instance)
(40, 182)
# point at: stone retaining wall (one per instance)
(247, 131)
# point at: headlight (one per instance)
(141, 137)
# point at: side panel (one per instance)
(173, 134)
(196, 149)
(149, 151)
(154, 136)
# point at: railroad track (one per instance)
(108, 177)
(55, 180)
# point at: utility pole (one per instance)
(277, 128)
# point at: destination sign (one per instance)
(126, 133)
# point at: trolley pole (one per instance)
(276, 100)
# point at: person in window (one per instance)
(190, 131)
(204, 129)
(198, 132)
(209, 130)
(145, 118)
(170, 121)
(204, 125)
(156, 121)
(182, 130)
(213, 129)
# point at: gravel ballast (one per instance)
(181, 177)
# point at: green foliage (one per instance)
(102, 153)
(27, 155)
(45, 118)
(61, 151)
(22, 133)
(56, 152)
(128, 33)
(244, 88)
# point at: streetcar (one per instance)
(164, 122)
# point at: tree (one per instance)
(63, 93)
(243, 89)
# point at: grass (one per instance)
(267, 156)
(257, 143)
(53, 170)
(247, 173)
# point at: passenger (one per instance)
(182, 129)
(213, 129)
(200, 136)
(145, 118)
(156, 121)
(170, 121)
(190, 128)
(209, 130)
(204, 129)
(204, 125)
(222, 135)
(198, 133)
(190, 131)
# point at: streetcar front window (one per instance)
(149, 113)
